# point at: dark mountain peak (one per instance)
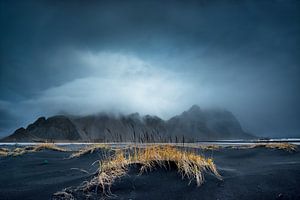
(135, 115)
(152, 120)
(194, 112)
(58, 127)
(57, 118)
(20, 131)
(20, 135)
(40, 120)
(38, 123)
(194, 108)
(146, 117)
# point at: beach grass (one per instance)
(211, 147)
(36, 148)
(281, 146)
(4, 152)
(189, 164)
(88, 149)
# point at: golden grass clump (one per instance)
(88, 149)
(4, 152)
(281, 146)
(30, 149)
(210, 147)
(49, 146)
(188, 164)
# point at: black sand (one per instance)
(248, 174)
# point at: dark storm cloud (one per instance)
(83, 57)
(7, 120)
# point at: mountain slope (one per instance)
(206, 125)
(104, 127)
(52, 129)
(193, 124)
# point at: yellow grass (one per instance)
(88, 149)
(4, 151)
(36, 148)
(281, 146)
(197, 146)
(188, 164)
(210, 147)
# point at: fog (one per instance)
(152, 57)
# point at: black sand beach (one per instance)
(258, 173)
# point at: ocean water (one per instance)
(295, 141)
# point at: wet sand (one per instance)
(247, 174)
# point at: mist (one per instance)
(153, 58)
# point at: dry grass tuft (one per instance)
(188, 164)
(4, 152)
(49, 146)
(210, 147)
(281, 146)
(29, 149)
(88, 149)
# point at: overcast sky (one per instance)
(152, 57)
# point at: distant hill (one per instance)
(192, 125)
(206, 124)
(54, 128)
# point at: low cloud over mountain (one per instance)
(192, 125)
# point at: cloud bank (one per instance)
(151, 57)
(113, 82)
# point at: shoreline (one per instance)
(295, 141)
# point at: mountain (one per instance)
(192, 125)
(52, 129)
(206, 124)
(133, 127)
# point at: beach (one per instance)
(257, 173)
